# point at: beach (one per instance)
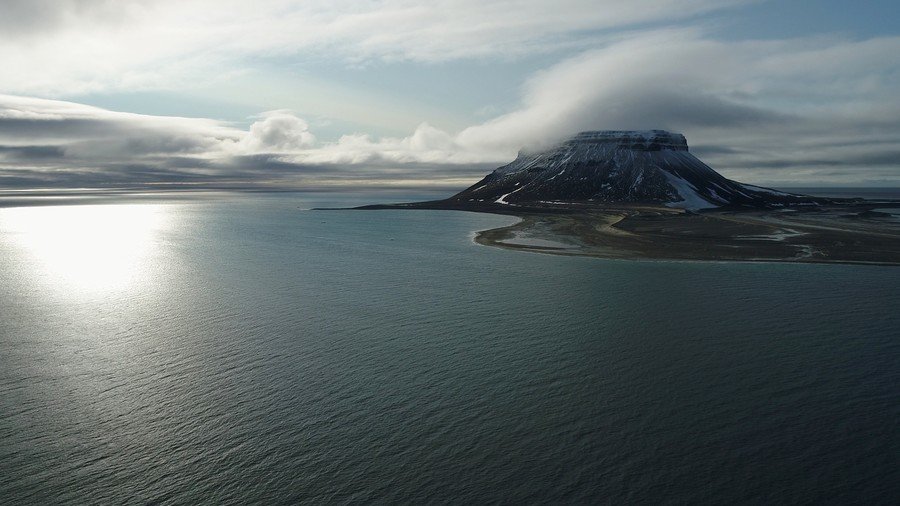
(840, 234)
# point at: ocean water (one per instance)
(240, 348)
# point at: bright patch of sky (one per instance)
(381, 98)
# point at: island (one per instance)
(644, 195)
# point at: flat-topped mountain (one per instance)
(624, 194)
(651, 167)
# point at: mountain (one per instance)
(651, 167)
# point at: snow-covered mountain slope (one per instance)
(641, 167)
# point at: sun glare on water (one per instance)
(89, 247)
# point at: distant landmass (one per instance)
(642, 194)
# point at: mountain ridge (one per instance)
(649, 167)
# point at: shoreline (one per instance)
(814, 237)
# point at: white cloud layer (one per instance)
(817, 104)
(79, 46)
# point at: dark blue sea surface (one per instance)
(240, 348)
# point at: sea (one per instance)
(244, 348)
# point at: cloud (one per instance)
(61, 142)
(749, 105)
(794, 111)
(79, 46)
(32, 18)
(91, 134)
(278, 131)
(427, 144)
(56, 144)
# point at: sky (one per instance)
(392, 93)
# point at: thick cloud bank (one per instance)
(56, 144)
(792, 111)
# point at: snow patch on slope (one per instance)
(690, 199)
(502, 199)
